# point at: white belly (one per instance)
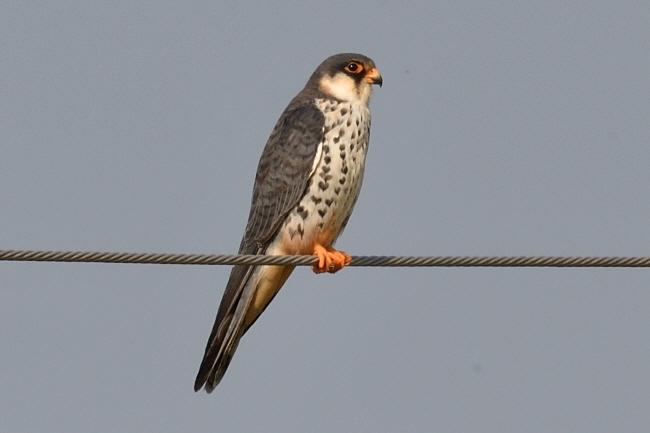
(334, 185)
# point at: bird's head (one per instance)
(347, 77)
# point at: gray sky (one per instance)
(503, 128)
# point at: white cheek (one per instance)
(365, 92)
(340, 87)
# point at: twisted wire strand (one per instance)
(384, 261)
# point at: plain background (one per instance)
(503, 128)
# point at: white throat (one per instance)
(344, 88)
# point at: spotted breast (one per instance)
(335, 180)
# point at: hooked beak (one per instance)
(374, 77)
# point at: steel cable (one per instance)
(384, 261)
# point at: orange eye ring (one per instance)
(354, 68)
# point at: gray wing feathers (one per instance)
(282, 178)
(284, 170)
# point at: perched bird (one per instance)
(307, 182)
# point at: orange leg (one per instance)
(329, 259)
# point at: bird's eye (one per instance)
(354, 67)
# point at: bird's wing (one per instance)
(284, 169)
(286, 164)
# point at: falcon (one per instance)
(307, 183)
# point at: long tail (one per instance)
(249, 291)
(228, 327)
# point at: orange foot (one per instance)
(329, 259)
